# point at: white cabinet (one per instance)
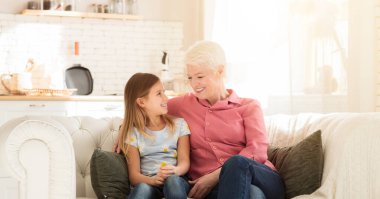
(13, 109)
(100, 109)
(93, 106)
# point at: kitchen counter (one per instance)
(91, 98)
(63, 98)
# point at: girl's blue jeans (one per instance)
(175, 187)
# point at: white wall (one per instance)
(112, 49)
(361, 56)
(377, 54)
(189, 12)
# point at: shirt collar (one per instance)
(232, 98)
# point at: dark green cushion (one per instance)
(300, 166)
(109, 174)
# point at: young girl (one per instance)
(156, 146)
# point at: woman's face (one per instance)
(205, 81)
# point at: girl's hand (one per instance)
(157, 180)
(167, 171)
(202, 186)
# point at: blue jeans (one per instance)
(255, 193)
(175, 187)
(239, 173)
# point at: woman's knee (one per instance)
(256, 192)
(236, 161)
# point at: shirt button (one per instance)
(207, 123)
(209, 110)
(214, 147)
(208, 139)
(221, 159)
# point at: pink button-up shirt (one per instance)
(229, 127)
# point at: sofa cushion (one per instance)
(109, 174)
(300, 166)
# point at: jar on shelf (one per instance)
(66, 5)
(33, 5)
(62, 5)
(49, 5)
(132, 7)
(116, 6)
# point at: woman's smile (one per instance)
(199, 90)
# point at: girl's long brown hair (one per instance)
(138, 86)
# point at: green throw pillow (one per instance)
(300, 166)
(109, 175)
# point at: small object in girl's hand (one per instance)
(163, 164)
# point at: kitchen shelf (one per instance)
(57, 13)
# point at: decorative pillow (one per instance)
(109, 174)
(300, 166)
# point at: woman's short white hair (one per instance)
(205, 53)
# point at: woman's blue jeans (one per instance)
(255, 193)
(175, 187)
(239, 173)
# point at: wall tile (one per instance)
(113, 50)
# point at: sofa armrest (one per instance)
(41, 157)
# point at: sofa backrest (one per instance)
(89, 134)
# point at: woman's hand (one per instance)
(203, 185)
(116, 147)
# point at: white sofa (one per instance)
(49, 156)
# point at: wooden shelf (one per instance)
(57, 13)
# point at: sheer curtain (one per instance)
(291, 55)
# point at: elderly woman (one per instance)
(228, 141)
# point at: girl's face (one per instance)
(155, 104)
(205, 82)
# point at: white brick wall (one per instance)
(113, 50)
(377, 24)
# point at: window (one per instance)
(284, 52)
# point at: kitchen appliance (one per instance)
(165, 73)
(80, 78)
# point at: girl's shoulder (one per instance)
(179, 121)
(181, 126)
(135, 132)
